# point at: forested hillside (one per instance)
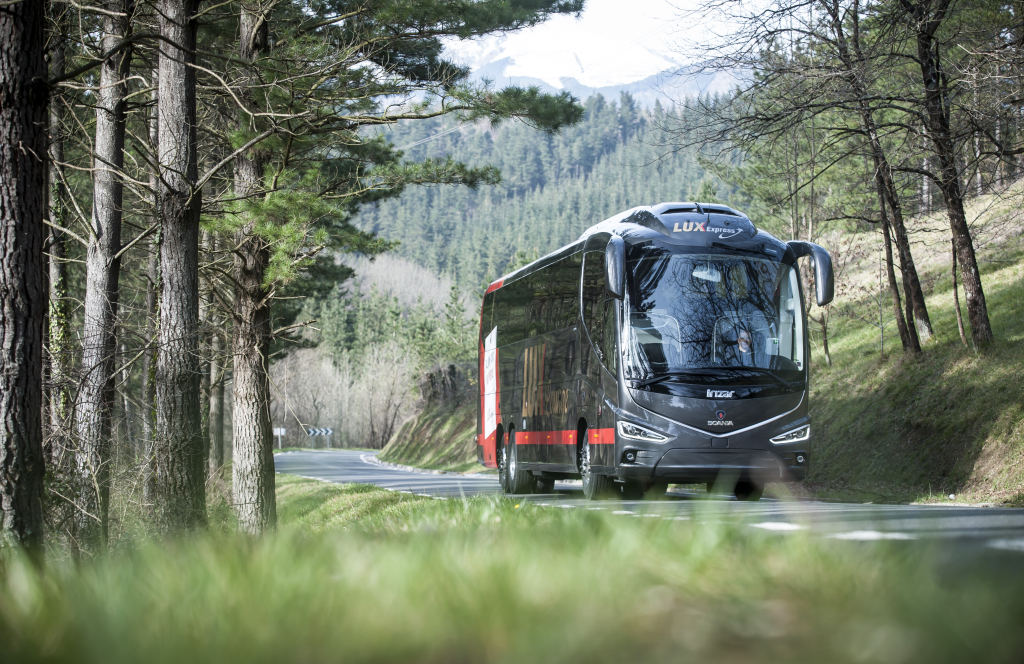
(553, 186)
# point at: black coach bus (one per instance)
(667, 345)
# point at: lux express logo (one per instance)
(702, 227)
(721, 421)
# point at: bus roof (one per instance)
(685, 222)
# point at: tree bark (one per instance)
(907, 337)
(216, 419)
(253, 461)
(93, 414)
(927, 17)
(152, 300)
(180, 474)
(956, 300)
(23, 291)
(823, 323)
(59, 313)
(214, 378)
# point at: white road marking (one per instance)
(1008, 544)
(871, 536)
(778, 526)
(623, 512)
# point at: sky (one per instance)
(613, 43)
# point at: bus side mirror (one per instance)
(615, 264)
(824, 279)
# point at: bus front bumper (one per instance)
(686, 466)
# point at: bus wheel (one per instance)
(748, 490)
(519, 480)
(595, 486)
(502, 456)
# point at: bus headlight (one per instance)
(794, 436)
(637, 432)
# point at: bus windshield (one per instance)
(723, 314)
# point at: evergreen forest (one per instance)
(552, 188)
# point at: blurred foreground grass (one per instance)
(358, 574)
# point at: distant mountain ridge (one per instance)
(667, 87)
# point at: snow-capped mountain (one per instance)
(642, 50)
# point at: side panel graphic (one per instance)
(490, 383)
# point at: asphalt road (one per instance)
(977, 528)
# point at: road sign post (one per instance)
(279, 432)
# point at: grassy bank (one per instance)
(949, 421)
(442, 436)
(358, 574)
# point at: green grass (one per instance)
(358, 574)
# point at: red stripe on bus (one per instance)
(495, 286)
(568, 437)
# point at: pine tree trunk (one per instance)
(93, 414)
(59, 314)
(149, 371)
(937, 122)
(180, 473)
(152, 299)
(253, 461)
(205, 295)
(23, 291)
(216, 419)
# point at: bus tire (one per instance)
(519, 480)
(501, 457)
(595, 487)
(748, 490)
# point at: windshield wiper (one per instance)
(722, 245)
(673, 374)
(723, 372)
(771, 374)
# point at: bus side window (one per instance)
(487, 316)
(501, 317)
(593, 300)
(570, 290)
(518, 311)
(609, 334)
